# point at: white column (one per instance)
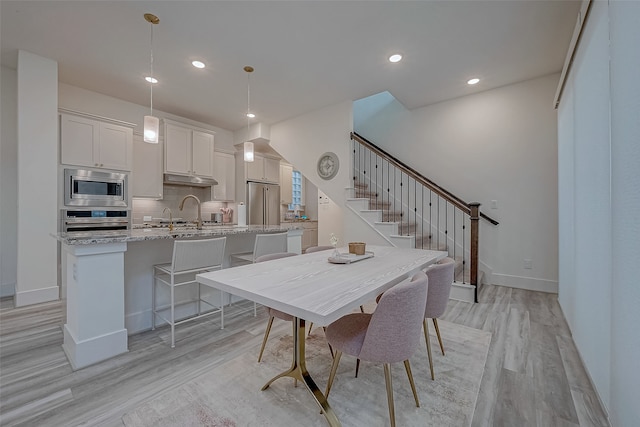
(37, 179)
(95, 303)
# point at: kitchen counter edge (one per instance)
(142, 234)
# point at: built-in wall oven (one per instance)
(92, 220)
(95, 189)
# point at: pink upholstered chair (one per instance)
(388, 335)
(440, 280)
(272, 312)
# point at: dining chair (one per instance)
(441, 277)
(264, 244)
(272, 312)
(189, 258)
(388, 335)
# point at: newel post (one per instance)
(475, 218)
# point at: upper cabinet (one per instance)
(146, 176)
(188, 150)
(286, 188)
(224, 172)
(263, 169)
(87, 140)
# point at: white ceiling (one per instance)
(306, 54)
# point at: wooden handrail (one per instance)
(450, 197)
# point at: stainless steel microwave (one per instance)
(95, 189)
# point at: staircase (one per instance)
(409, 211)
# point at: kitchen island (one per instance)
(107, 280)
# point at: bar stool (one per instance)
(189, 258)
(264, 244)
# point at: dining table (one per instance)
(320, 287)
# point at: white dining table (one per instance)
(310, 288)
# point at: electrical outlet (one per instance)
(527, 264)
(494, 204)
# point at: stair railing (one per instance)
(417, 203)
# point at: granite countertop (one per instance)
(141, 234)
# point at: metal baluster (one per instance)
(446, 226)
(454, 232)
(464, 241)
(430, 220)
(422, 215)
(355, 194)
(401, 199)
(415, 213)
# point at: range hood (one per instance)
(194, 181)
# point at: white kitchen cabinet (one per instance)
(146, 176)
(263, 169)
(286, 188)
(309, 234)
(224, 169)
(87, 140)
(188, 151)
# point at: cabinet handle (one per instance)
(95, 164)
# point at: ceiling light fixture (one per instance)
(472, 81)
(151, 79)
(248, 145)
(395, 58)
(151, 124)
(198, 64)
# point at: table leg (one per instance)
(298, 370)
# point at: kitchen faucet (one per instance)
(170, 217)
(199, 219)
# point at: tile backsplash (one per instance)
(173, 195)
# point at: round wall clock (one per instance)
(328, 165)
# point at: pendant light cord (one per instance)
(151, 66)
(248, 101)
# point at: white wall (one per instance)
(37, 195)
(302, 140)
(8, 184)
(494, 145)
(599, 207)
(625, 178)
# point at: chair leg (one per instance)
(332, 374)
(173, 319)
(387, 380)
(153, 304)
(255, 309)
(361, 309)
(310, 327)
(357, 367)
(435, 323)
(407, 367)
(221, 309)
(426, 338)
(324, 328)
(266, 335)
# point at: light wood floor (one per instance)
(533, 375)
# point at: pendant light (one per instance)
(248, 145)
(151, 124)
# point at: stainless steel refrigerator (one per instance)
(263, 203)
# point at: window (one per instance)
(296, 190)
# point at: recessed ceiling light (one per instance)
(251, 115)
(197, 64)
(472, 81)
(395, 58)
(151, 79)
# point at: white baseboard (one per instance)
(94, 350)
(528, 283)
(37, 296)
(462, 292)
